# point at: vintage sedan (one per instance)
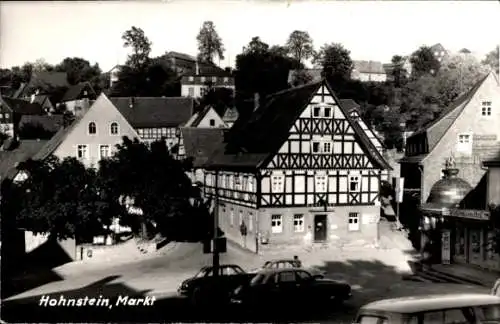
(205, 288)
(293, 286)
(287, 264)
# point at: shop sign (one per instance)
(445, 247)
(470, 214)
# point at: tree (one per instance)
(41, 65)
(256, 46)
(301, 77)
(300, 45)
(399, 73)
(458, 74)
(492, 59)
(156, 182)
(80, 70)
(335, 60)
(62, 199)
(210, 44)
(219, 98)
(423, 62)
(140, 44)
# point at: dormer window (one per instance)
(92, 128)
(322, 111)
(486, 108)
(202, 79)
(191, 78)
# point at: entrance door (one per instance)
(475, 246)
(320, 228)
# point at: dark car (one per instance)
(289, 287)
(287, 264)
(204, 288)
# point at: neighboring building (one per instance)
(45, 101)
(196, 83)
(113, 75)
(41, 127)
(405, 66)
(77, 98)
(368, 71)
(42, 82)
(298, 168)
(206, 118)
(155, 118)
(13, 153)
(181, 63)
(92, 136)
(11, 111)
(439, 51)
(230, 116)
(468, 130)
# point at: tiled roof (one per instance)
(349, 104)
(254, 142)
(46, 78)
(56, 140)
(75, 91)
(155, 111)
(368, 67)
(200, 143)
(413, 159)
(41, 99)
(436, 129)
(50, 123)
(10, 159)
(181, 56)
(24, 107)
(230, 115)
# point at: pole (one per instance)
(398, 223)
(215, 251)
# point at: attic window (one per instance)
(322, 112)
(212, 122)
(92, 128)
(486, 108)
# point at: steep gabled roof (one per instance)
(56, 140)
(349, 104)
(436, 129)
(75, 91)
(196, 119)
(254, 142)
(10, 159)
(154, 111)
(45, 79)
(201, 143)
(23, 107)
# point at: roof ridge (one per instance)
(294, 88)
(178, 97)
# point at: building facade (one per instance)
(468, 130)
(300, 168)
(11, 112)
(196, 83)
(206, 118)
(92, 136)
(156, 118)
(366, 71)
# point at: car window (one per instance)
(236, 270)
(286, 276)
(267, 264)
(303, 275)
(296, 264)
(371, 320)
(488, 313)
(449, 316)
(227, 271)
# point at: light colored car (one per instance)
(430, 309)
(288, 264)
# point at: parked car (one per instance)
(287, 264)
(449, 308)
(288, 287)
(204, 288)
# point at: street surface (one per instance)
(373, 273)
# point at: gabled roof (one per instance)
(154, 111)
(230, 115)
(75, 91)
(196, 119)
(200, 143)
(254, 142)
(56, 140)
(50, 123)
(436, 129)
(10, 159)
(23, 107)
(42, 99)
(369, 67)
(48, 79)
(181, 56)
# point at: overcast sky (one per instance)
(370, 30)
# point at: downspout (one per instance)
(257, 218)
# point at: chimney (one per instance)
(197, 68)
(131, 102)
(256, 101)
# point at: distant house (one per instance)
(368, 71)
(41, 82)
(206, 118)
(155, 118)
(181, 62)
(439, 51)
(92, 136)
(11, 111)
(14, 153)
(77, 98)
(196, 83)
(230, 116)
(113, 75)
(405, 66)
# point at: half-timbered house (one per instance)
(298, 168)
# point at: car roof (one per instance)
(272, 271)
(415, 304)
(221, 266)
(281, 260)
